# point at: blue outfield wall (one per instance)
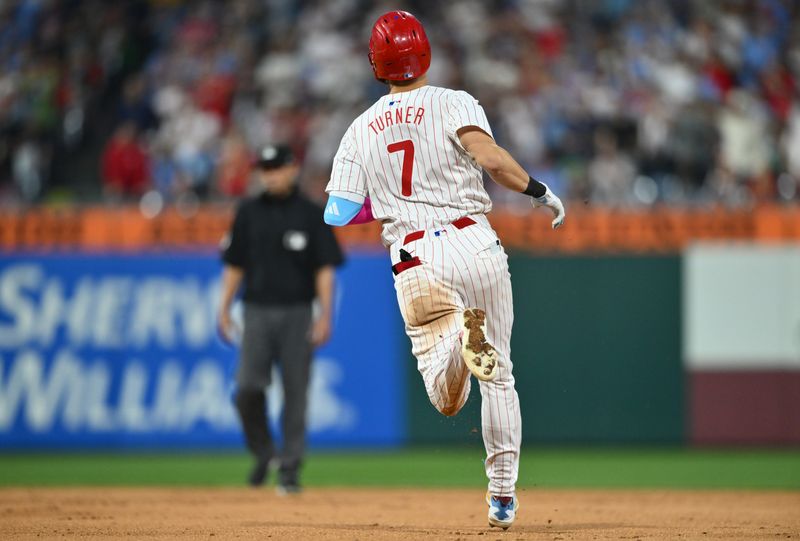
(119, 351)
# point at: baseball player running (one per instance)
(414, 162)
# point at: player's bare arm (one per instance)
(493, 158)
(505, 171)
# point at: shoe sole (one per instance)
(281, 490)
(495, 523)
(478, 354)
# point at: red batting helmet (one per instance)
(398, 48)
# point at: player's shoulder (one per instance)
(362, 120)
(363, 117)
(451, 92)
(462, 96)
(367, 114)
(453, 97)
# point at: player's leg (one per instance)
(432, 312)
(294, 354)
(500, 412)
(252, 378)
(488, 286)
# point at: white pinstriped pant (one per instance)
(461, 269)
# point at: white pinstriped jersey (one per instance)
(404, 154)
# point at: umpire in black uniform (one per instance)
(283, 255)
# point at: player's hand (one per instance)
(320, 331)
(228, 330)
(551, 201)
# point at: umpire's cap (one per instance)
(274, 156)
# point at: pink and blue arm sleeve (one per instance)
(364, 215)
(345, 209)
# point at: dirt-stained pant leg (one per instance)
(466, 268)
(432, 311)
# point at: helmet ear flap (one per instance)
(371, 57)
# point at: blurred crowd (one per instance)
(612, 102)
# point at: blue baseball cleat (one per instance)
(502, 510)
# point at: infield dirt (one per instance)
(395, 514)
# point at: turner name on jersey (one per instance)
(400, 115)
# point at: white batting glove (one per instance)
(551, 201)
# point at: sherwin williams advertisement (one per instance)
(122, 351)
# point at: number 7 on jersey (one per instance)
(407, 148)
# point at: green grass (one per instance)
(434, 467)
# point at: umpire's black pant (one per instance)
(282, 334)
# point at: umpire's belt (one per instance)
(461, 223)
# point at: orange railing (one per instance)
(586, 229)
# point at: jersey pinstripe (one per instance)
(403, 152)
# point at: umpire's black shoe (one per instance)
(288, 483)
(288, 488)
(258, 475)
